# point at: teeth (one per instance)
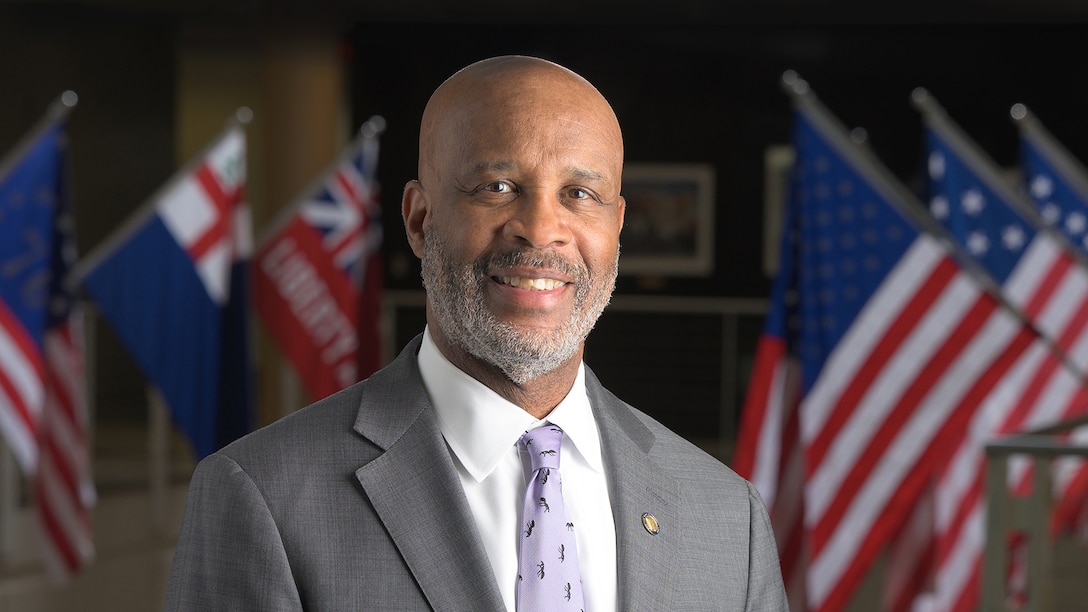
(532, 284)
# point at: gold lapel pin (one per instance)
(649, 522)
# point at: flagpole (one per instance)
(241, 118)
(57, 111)
(1056, 153)
(366, 137)
(158, 434)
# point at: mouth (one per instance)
(530, 284)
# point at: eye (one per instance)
(497, 187)
(579, 194)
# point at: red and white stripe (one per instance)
(1051, 289)
(1035, 392)
(22, 389)
(769, 455)
(63, 485)
(921, 356)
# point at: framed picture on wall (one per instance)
(669, 225)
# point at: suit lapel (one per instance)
(637, 486)
(414, 489)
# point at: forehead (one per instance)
(518, 112)
(536, 128)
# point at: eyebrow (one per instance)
(505, 165)
(481, 167)
(589, 175)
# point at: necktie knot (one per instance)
(543, 444)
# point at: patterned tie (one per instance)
(548, 577)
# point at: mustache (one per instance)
(530, 258)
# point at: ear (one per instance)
(621, 208)
(415, 209)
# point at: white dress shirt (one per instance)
(482, 430)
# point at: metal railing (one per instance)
(1029, 515)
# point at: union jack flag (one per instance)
(345, 212)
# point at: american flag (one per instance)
(1058, 185)
(317, 275)
(43, 411)
(897, 355)
(1039, 272)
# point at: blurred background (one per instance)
(696, 87)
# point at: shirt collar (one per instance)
(480, 426)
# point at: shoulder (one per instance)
(299, 441)
(337, 425)
(677, 454)
(685, 462)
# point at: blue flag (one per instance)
(172, 284)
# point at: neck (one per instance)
(538, 396)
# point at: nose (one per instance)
(539, 220)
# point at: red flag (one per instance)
(316, 279)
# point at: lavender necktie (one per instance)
(548, 577)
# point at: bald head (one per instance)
(513, 93)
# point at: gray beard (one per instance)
(456, 297)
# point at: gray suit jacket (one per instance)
(353, 503)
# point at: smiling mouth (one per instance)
(530, 284)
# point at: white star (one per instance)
(1042, 186)
(978, 243)
(939, 207)
(1051, 212)
(973, 202)
(1075, 223)
(936, 166)
(1013, 237)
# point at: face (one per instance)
(519, 215)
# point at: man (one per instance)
(405, 491)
